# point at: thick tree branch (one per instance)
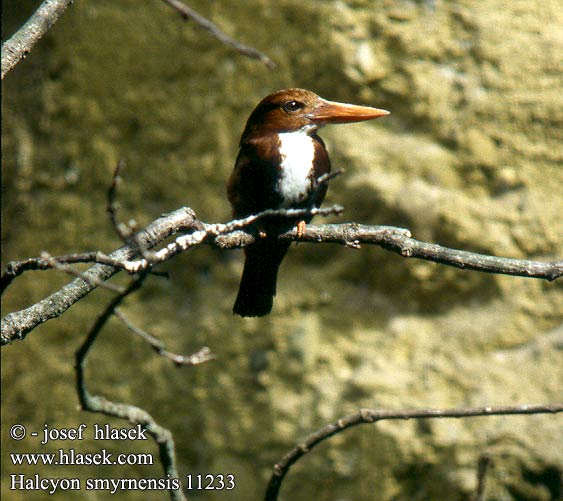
(188, 13)
(20, 44)
(16, 325)
(231, 235)
(368, 416)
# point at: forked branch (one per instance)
(237, 234)
(133, 414)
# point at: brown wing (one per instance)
(321, 165)
(253, 182)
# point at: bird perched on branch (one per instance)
(280, 160)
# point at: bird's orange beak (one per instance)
(329, 112)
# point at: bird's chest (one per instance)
(296, 171)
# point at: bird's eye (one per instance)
(292, 106)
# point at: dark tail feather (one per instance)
(258, 283)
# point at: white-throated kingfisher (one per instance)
(280, 160)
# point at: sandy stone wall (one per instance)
(471, 157)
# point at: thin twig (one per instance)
(123, 231)
(197, 358)
(94, 403)
(20, 44)
(126, 232)
(322, 182)
(15, 268)
(69, 270)
(188, 13)
(482, 466)
(325, 178)
(368, 416)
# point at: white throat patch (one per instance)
(297, 151)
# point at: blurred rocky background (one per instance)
(471, 157)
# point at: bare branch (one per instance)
(126, 232)
(20, 44)
(16, 325)
(69, 270)
(482, 466)
(188, 13)
(399, 240)
(200, 357)
(123, 231)
(133, 414)
(16, 268)
(368, 416)
(325, 178)
(212, 231)
(233, 235)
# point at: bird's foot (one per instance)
(301, 228)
